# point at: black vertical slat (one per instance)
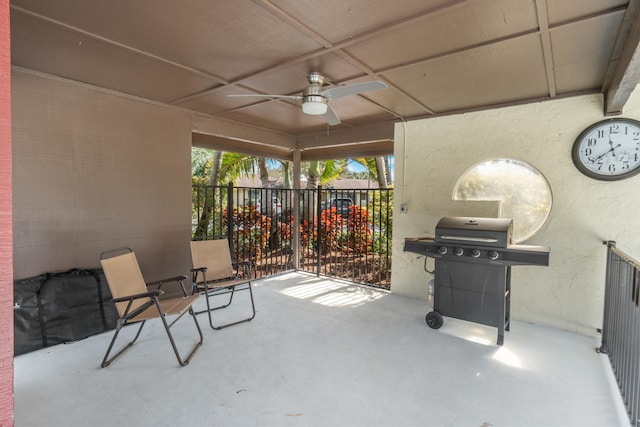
(319, 229)
(389, 234)
(371, 202)
(311, 252)
(229, 216)
(222, 220)
(216, 215)
(636, 400)
(329, 195)
(634, 344)
(198, 206)
(621, 326)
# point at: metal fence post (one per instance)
(319, 229)
(295, 236)
(230, 216)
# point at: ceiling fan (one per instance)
(315, 99)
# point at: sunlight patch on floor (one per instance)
(506, 356)
(332, 294)
(481, 334)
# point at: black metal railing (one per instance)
(341, 233)
(621, 326)
(347, 234)
(257, 222)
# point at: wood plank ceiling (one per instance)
(437, 57)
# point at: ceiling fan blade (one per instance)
(354, 89)
(331, 117)
(256, 95)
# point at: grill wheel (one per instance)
(434, 320)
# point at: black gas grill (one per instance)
(472, 278)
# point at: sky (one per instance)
(357, 167)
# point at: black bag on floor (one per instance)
(61, 307)
(27, 330)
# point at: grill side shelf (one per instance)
(509, 256)
(420, 245)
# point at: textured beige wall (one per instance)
(431, 154)
(94, 171)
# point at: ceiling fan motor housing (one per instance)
(312, 100)
(314, 104)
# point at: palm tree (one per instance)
(381, 172)
(376, 167)
(264, 172)
(227, 167)
(321, 172)
(287, 174)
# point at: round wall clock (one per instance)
(609, 150)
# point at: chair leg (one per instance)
(106, 361)
(209, 310)
(183, 362)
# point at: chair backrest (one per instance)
(213, 254)
(124, 278)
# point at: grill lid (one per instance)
(490, 232)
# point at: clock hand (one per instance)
(604, 154)
(610, 151)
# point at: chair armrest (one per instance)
(194, 274)
(149, 294)
(178, 279)
(169, 280)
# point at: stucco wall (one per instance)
(94, 171)
(431, 154)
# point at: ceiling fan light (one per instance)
(315, 107)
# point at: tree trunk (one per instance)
(287, 174)
(216, 164)
(264, 172)
(388, 170)
(209, 199)
(314, 175)
(381, 172)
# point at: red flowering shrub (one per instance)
(351, 234)
(251, 230)
(359, 231)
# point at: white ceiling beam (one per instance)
(348, 136)
(373, 149)
(234, 146)
(545, 39)
(626, 68)
(241, 132)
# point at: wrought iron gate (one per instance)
(340, 233)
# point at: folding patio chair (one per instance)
(136, 302)
(213, 275)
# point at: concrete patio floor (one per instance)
(324, 353)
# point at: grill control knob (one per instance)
(442, 250)
(493, 255)
(458, 251)
(475, 253)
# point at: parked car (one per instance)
(276, 207)
(342, 205)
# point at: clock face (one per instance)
(609, 150)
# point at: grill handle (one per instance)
(470, 239)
